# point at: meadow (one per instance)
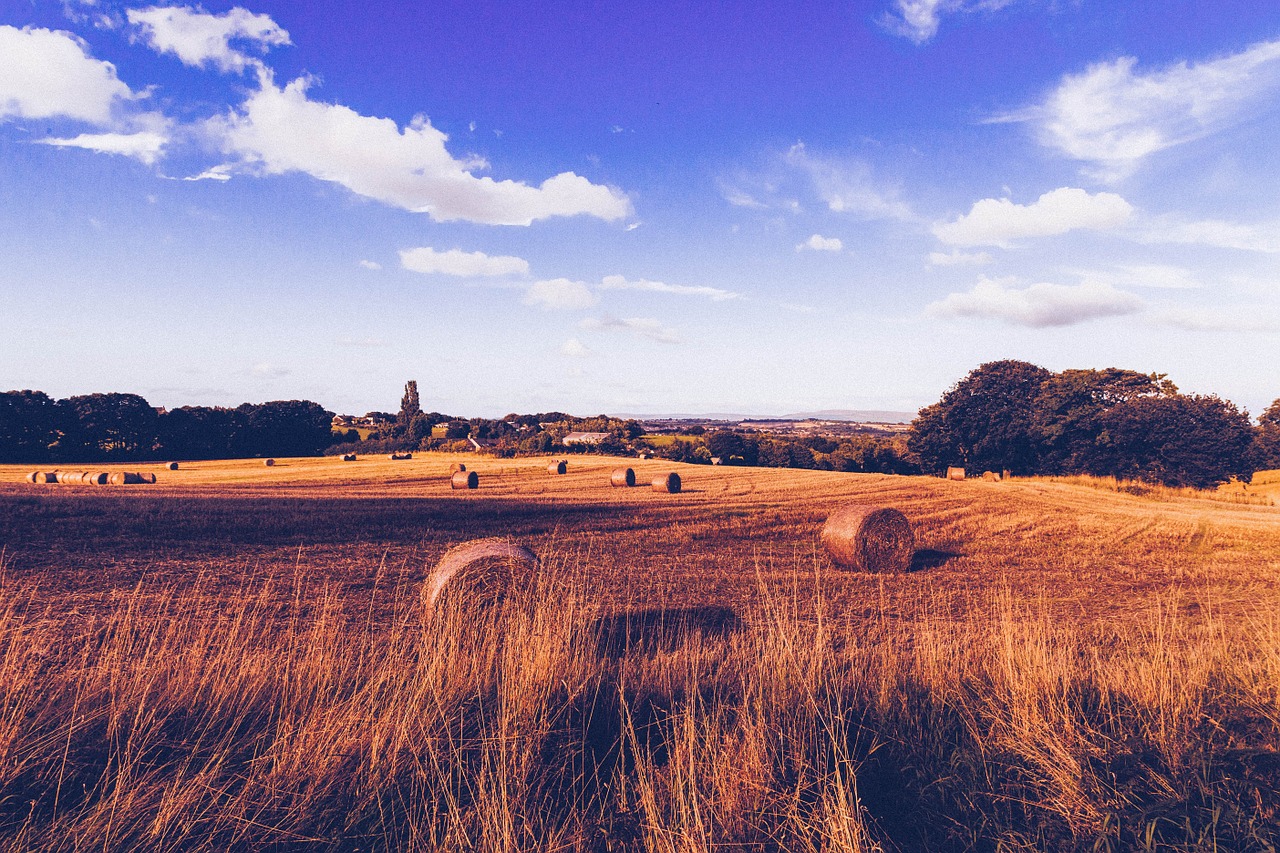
(237, 657)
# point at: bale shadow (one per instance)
(661, 629)
(928, 558)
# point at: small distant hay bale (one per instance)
(47, 477)
(172, 466)
(465, 480)
(456, 467)
(98, 478)
(149, 479)
(71, 478)
(269, 462)
(667, 483)
(33, 477)
(348, 457)
(991, 476)
(623, 478)
(479, 573)
(955, 473)
(869, 538)
(125, 478)
(558, 467)
(400, 456)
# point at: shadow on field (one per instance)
(662, 629)
(928, 558)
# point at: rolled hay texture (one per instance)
(269, 462)
(622, 478)
(33, 477)
(400, 456)
(348, 457)
(991, 476)
(667, 483)
(558, 467)
(73, 478)
(869, 538)
(172, 466)
(98, 478)
(47, 477)
(456, 467)
(147, 478)
(125, 478)
(479, 573)
(955, 473)
(465, 480)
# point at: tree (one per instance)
(1176, 440)
(107, 426)
(1268, 441)
(28, 426)
(286, 428)
(200, 432)
(410, 406)
(1069, 413)
(988, 420)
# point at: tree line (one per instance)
(1113, 422)
(34, 427)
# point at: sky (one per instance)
(605, 206)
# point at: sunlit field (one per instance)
(237, 657)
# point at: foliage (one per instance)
(28, 426)
(108, 427)
(1267, 449)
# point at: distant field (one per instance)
(1069, 665)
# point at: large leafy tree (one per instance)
(107, 426)
(1070, 408)
(29, 425)
(200, 432)
(1268, 444)
(988, 420)
(285, 428)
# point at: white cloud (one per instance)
(199, 39)
(918, 19)
(848, 186)
(574, 348)
(998, 222)
(370, 265)
(1213, 233)
(1155, 276)
(818, 243)
(47, 74)
(457, 262)
(560, 293)
(643, 326)
(1038, 305)
(282, 130)
(617, 282)
(145, 146)
(1112, 116)
(957, 258)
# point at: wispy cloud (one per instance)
(201, 40)
(918, 20)
(370, 265)
(1037, 306)
(1214, 320)
(618, 282)
(1214, 233)
(957, 258)
(560, 294)
(1113, 115)
(818, 243)
(848, 186)
(574, 348)
(456, 262)
(145, 146)
(1000, 222)
(643, 326)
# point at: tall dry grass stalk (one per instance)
(175, 720)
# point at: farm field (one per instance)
(237, 656)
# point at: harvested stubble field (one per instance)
(237, 658)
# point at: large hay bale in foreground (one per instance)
(955, 473)
(667, 483)
(456, 467)
(269, 462)
(465, 480)
(622, 478)
(479, 573)
(558, 467)
(869, 538)
(172, 466)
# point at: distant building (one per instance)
(592, 438)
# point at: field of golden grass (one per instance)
(237, 658)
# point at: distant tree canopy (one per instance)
(1014, 415)
(125, 427)
(1267, 447)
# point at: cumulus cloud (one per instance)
(998, 222)
(1112, 115)
(643, 326)
(49, 74)
(280, 130)
(457, 262)
(1038, 305)
(201, 40)
(617, 282)
(560, 293)
(918, 20)
(957, 258)
(574, 348)
(847, 186)
(818, 243)
(145, 146)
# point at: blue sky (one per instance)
(746, 206)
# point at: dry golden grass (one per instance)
(238, 658)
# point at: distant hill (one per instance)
(861, 416)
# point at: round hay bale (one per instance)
(869, 538)
(72, 478)
(401, 456)
(33, 477)
(148, 478)
(465, 480)
(172, 466)
(667, 483)
(622, 478)
(955, 473)
(991, 476)
(269, 462)
(348, 457)
(479, 573)
(98, 478)
(456, 467)
(558, 467)
(47, 477)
